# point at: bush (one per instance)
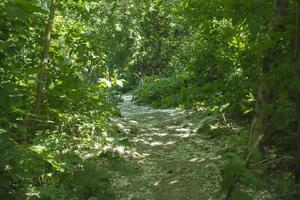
(184, 92)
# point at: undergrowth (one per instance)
(62, 159)
(182, 91)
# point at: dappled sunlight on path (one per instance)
(174, 162)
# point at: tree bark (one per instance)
(296, 56)
(45, 57)
(297, 168)
(264, 96)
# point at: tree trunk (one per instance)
(264, 97)
(261, 115)
(296, 55)
(297, 168)
(45, 57)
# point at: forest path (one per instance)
(172, 161)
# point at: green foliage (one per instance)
(159, 92)
(92, 182)
(184, 92)
(45, 155)
(239, 178)
(196, 54)
(133, 129)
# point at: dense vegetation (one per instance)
(62, 64)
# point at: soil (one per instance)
(172, 160)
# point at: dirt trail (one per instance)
(173, 162)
